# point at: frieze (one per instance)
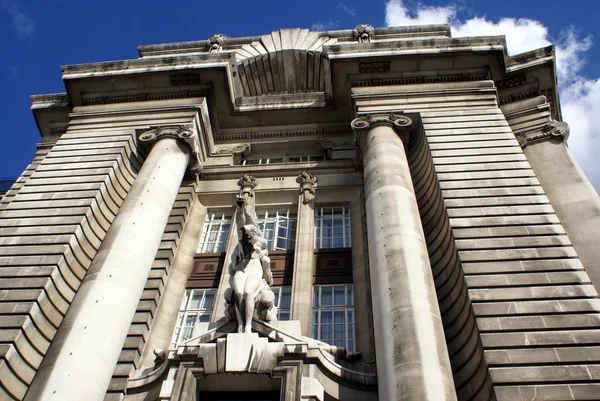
(421, 79)
(140, 97)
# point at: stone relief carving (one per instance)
(235, 149)
(363, 33)
(553, 129)
(308, 184)
(217, 41)
(335, 144)
(250, 276)
(180, 132)
(247, 184)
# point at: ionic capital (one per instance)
(553, 129)
(247, 184)
(184, 134)
(308, 185)
(367, 121)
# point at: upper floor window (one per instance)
(196, 307)
(278, 227)
(332, 227)
(283, 301)
(333, 315)
(215, 233)
(275, 159)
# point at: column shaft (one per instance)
(82, 357)
(411, 352)
(304, 266)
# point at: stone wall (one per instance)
(53, 220)
(535, 307)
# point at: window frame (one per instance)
(349, 339)
(220, 243)
(203, 313)
(346, 225)
(264, 219)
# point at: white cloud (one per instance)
(324, 26)
(22, 23)
(349, 10)
(580, 95)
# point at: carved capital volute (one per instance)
(308, 185)
(247, 184)
(365, 122)
(552, 130)
(187, 135)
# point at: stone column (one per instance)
(410, 348)
(84, 352)
(304, 254)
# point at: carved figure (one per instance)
(363, 33)
(250, 276)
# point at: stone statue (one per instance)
(250, 276)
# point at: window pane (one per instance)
(339, 295)
(326, 316)
(284, 315)
(326, 298)
(208, 301)
(195, 300)
(339, 316)
(326, 332)
(286, 299)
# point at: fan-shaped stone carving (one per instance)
(271, 65)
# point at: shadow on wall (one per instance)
(469, 368)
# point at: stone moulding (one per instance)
(268, 350)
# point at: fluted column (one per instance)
(84, 352)
(304, 254)
(410, 348)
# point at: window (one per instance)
(249, 161)
(196, 307)
(332, 227)
(283, 301)
(333, 315)
(216, 232)
(278, 227)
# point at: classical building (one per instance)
(368, 214)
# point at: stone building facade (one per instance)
(430, 238)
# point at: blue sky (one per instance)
(37, 36)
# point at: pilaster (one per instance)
(304, 255)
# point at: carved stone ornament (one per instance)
(553, 129)
(250, 295)
(217, 41)
(364, 122)
(335, 144)
(235, 149)
(247, 184)
(308, 184)
(363, 33)
(184, 134)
